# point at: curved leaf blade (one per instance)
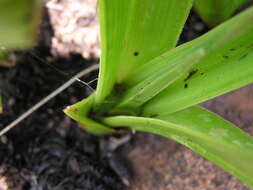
(207, 134)
(227, 67)
(156, 82)
(79, 112)
(134, 32)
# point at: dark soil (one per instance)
(194, 27)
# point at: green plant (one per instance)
(147, 84)
(19, 21)
(216, 11)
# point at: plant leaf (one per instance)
(134, 32)
(205, 133)
(18, 22)
(79, 112)
(158, 80)
(227, 67)
(214, 12)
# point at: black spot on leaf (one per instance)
(225, 56)
(191, 74)
(136, 53)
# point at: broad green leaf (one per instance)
(227, 67)
(207, 134)
(215, 12)
(158, 80)
(18, 22)
(134, 32)
(80, 112)
(231, 30)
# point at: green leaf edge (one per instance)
(80, 113)
(185, 135)
(107, 83)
